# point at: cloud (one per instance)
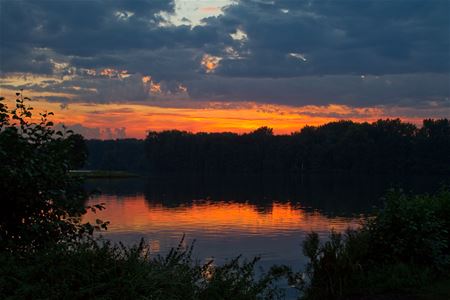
(399, 89)
(374, 37)
(210, 63)
(105, 133)
(418, 91)
(287, 52)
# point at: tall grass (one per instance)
(93, 270)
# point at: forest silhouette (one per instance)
(384, 146)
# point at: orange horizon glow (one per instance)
(238, 117)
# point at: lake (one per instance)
(229, 216)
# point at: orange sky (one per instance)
(138, 118)
(209, 117)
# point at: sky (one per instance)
(116, 68)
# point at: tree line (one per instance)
(384, 146)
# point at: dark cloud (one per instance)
(291, 52)
(82, 27)
(340, 37)
(399, 89)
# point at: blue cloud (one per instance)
(294, 52)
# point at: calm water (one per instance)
(267, 217)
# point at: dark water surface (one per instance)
(230, 216)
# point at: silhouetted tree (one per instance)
(384, 146)
(78, 151)
(41, 201)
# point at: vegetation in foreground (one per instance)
(47, 253)
(401, 250)
(92, 270)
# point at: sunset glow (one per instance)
(93, 120)
(210, 63)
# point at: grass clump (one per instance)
(93, 270)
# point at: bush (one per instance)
(412, 230)
(405, 245)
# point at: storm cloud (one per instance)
(358, 53)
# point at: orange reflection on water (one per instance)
(135, 214)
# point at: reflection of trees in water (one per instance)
(213, 218)
(332, 194)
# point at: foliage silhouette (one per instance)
(92, 270)
(404, 246)
(384, 146)
(41, 202)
